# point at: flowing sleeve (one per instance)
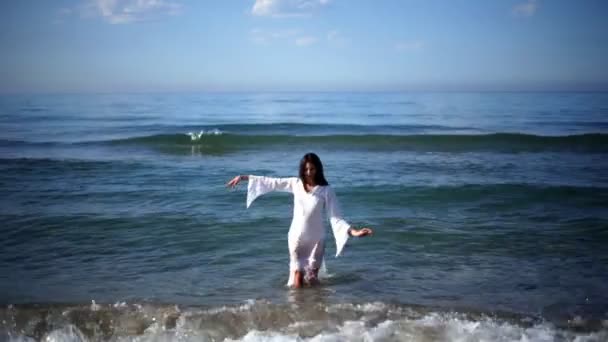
(339, 226)
(259, 185)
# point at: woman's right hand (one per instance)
(361, 232)
(236, 181)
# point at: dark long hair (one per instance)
(314, 160)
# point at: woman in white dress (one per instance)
(311, 193)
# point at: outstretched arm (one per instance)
(236, 180)
(259, 185)
(342, 230)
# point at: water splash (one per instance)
(197, 136)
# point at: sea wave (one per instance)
(496, 142)
(234, 137)
(263, 321)
(502, 192)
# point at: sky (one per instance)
(302, 45)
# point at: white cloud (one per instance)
(286, 8)
(526, 9)
(410, 46)
(305, 41)
(126, 11)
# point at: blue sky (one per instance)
(310, 45)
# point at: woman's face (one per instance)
(310, 171)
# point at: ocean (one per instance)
(489, 210)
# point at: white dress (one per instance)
(307, 232)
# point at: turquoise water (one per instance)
(489, 209)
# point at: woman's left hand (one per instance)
(361, 232)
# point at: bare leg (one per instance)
(298, 279)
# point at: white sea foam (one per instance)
(120, 305)
(17, 338)
(430, 327)
(94, 306)
(365, 307)
(68, 333)
(258, 320)
(197, 136)
(433, 327)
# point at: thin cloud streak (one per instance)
(306, 41)
(286, 8)
(261, 36)
(128, 11)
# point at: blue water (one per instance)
(489, 209)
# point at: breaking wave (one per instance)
(496, 142)
(264, 321)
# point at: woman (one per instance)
(311, 193)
